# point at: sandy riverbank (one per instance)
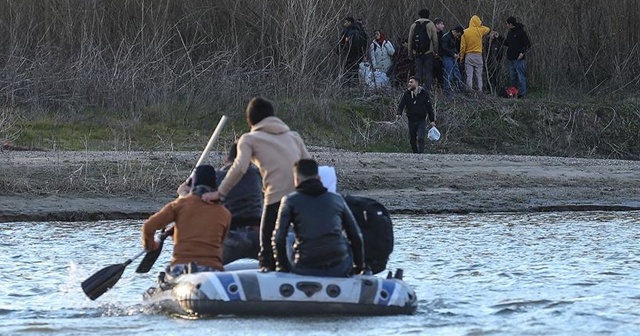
(405, 183)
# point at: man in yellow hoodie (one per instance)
(471, 51)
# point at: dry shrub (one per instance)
(133, 53)
(9, 131)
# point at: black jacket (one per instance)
(244, 201)
(347, 46)
(318, 218)
(418, 105)
(450, 45)
(517, 42)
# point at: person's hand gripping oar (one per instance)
(103, 280)
(151, 256)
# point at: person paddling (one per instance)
(199, 231)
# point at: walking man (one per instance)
(418, 105)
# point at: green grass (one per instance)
(533, 126)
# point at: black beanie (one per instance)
(205, 175)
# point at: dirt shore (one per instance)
(405, 183)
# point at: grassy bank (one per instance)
(358, 120)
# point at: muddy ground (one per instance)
(33, 185)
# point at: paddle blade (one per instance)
(102, 281)
(149, 259)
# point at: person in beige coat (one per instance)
(423, 47)
(274, 149)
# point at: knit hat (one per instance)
(511, 20)
(205, 175)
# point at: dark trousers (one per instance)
(340, 268)
(241, 243)
(452, 76)
(438, 71)
(417, 133)
(424, 70)
(267, 225)
(351, 70)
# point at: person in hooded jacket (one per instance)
(318, 218)
(380, 52)
(471, 52)
(274, 148)
(518, 45)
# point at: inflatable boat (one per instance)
(250, 292)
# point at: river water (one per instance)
(481, 274)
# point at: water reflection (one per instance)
(557, 273)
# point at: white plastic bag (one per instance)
(328, 177)
(434, 134)
(364, 71)
(371, 79)
(379, 79)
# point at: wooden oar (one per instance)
(151, 257)
(104, 279)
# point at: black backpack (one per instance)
(421, 40)
(375, 224)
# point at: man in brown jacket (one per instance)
(199, 230)
(274, 149)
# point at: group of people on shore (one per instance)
(429, 54)
(221, 216)
(433, 54)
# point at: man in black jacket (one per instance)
(244, 201)
(353, 44)
(418, 105)
(318, 218)
(518, 45)
(450, 56)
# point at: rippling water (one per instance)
(512, 274)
